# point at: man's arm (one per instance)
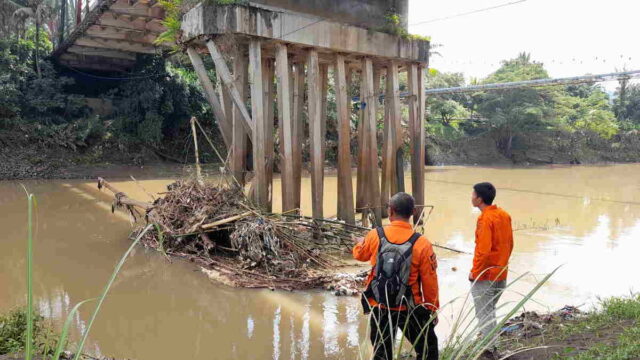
(429, 278)
(483, 249)
(363, 250)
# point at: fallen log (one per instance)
(121, 198)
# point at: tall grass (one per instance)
(462, 342)
(106, 290)
(29, 336)
(64, 334)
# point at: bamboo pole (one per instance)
(362, 160)
(257, 110)
(195, 147)
(315, 131)
(297, 129)
(284, 119)
(267, 87)
(324, 88)
(373, 192)
(417, 163)
(227, 79)
(345, 185)
(387, 146)
(395, 124)
(224, 123)
(121, 197)
(240, 142)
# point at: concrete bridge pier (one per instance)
(273, 52)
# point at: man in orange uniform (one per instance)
(494, 243)
(415, 317)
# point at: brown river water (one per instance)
(586, 218)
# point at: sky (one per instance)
(571, 37)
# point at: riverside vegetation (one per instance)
(47, 128)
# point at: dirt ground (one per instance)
(552, 341)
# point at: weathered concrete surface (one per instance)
(366, 13)
(299, 29)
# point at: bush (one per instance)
(13, 327)
(157, 107)
(25, 97)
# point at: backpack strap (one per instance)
(381, 236)
(414, 238)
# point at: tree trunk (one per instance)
(508, 146)
(78, 12)
(35, 58)
(63, 19)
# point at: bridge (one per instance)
(109, 34)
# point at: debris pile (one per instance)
(530, 323)
(216, 227)
(347, 284)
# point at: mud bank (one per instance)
(608, 332)
(536, 149)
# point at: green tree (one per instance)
(39, 12)
(585, 107)
(153, 109)
(26, 97)
(626, 103)
(511, 113)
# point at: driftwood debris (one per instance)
(216, 227)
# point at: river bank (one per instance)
(610, 331)
(26, 157)
(550, 147)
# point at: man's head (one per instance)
(483, 194)
(401, 206)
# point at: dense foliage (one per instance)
(157, 105)
(13, 327)
(153, 103)
(27, 98)
(151, 106)
(509, 115)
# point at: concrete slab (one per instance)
(300, 29)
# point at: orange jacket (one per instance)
(422, 276)
(494, 243)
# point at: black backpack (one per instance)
(390, 284)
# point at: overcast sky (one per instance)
(571, 37)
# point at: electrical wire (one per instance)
(110, 78)
(468, 13)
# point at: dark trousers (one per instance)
(384, 324)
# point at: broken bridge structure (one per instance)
(107, 35)
(273, 60)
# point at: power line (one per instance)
(536, 83)
(108, 77)
(468, 13)
(524, 84)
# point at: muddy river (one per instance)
(586, 218)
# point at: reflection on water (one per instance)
(586, 218)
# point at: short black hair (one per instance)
(486, 191)
(402, 204)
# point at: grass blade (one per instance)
(482, 345)
(107, 288)
(29, 336)
(65, 329)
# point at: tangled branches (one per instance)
(217, 228)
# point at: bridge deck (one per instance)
(111, 34)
